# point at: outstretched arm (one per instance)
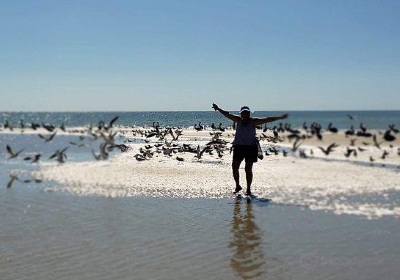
(226, 113)
(260, 121)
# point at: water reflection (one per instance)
(248, 257)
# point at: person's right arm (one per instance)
(226, 113)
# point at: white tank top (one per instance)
(245, 134)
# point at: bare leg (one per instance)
(249, 175)
(235, 169)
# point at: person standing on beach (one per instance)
(245, 142)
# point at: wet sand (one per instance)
(48, 235)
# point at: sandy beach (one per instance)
(333, 183)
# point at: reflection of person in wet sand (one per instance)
(248, 258)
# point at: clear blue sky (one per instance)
(183, 55)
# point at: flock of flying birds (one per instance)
(167, 143)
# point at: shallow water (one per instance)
(47, 235)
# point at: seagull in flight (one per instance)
(11, 182)
(376, 142)
(34, 159)
(48, 139)
(11, 152)
(329, 149)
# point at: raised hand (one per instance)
(215, 107)
(285, 116)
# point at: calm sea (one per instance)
(340, 119)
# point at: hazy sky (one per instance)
(183, 55)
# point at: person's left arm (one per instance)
(260, 121)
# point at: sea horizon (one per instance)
(138, 111)
(374, 119)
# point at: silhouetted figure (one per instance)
(245, 143)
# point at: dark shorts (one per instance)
(247, 152)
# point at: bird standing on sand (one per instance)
(389, 137)
(140, 157)
(316, 129)
(332, 129)
(35, 126)
(198, 127)
(302, 154)
(363, 128)
(371, 160)
(351, 131)
(8, 125)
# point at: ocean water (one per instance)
(339, 119)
